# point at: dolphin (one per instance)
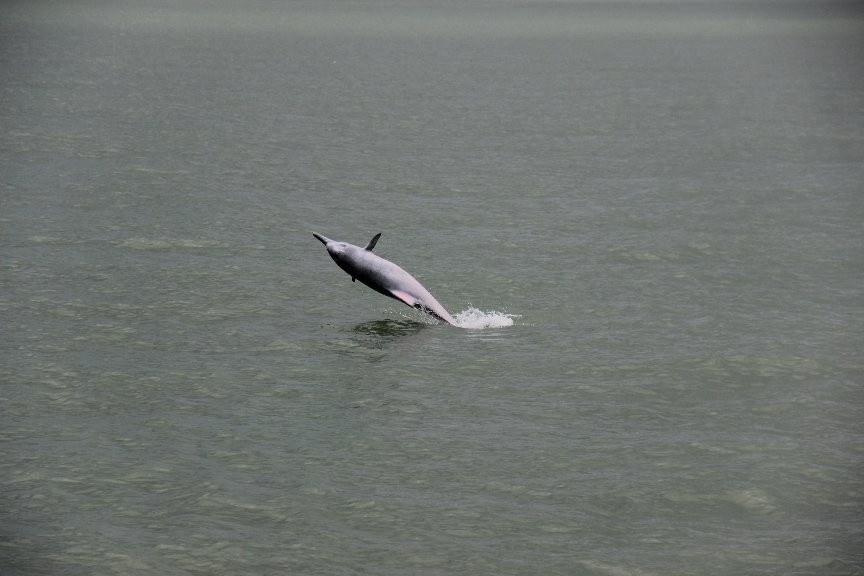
(383, 276)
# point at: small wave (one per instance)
(476, 319)
(163, 243)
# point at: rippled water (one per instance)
(650, 215)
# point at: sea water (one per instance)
(649, 215)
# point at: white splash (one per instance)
(476, 319)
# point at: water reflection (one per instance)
(372, 339)
(388, 330)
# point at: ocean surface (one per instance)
(648, 217)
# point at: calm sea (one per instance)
(648, 215)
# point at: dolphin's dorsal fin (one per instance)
(372, 242)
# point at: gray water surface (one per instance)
(666, 198)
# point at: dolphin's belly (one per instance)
(386, 277)
(380, 272)
(380, 275)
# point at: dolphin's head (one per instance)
(337, 250)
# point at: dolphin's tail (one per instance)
(431, 307)
(449, 319)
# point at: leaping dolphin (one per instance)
(383, 276)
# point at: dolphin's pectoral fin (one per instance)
(372, 242)
(405, 297)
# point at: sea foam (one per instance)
(476, 319)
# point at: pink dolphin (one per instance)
(383, 276)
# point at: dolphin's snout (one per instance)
(324, 240)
